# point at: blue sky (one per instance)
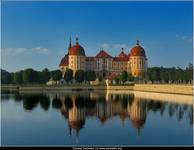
(36, 34)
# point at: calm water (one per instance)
(96, 118)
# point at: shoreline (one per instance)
(156, 88)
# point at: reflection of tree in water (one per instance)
(68, 102)
(5, 96)
(56, 103)
(154, 105)
(185, 107)
(171, 109)
(190, 115)
(79, 101)
(127, 100)
(162, 109)
(17, 97)
(180, 114)
(30, 102)
(45, 102)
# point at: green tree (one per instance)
(90, 75)
(79, 75)
(124, 76)
(68, 75)
(44, 75)
(56, 75)
(30, 76)
(18, 77)
(6, 77)
(100, 78)
(189, 73)
(117, 79)
(130, 77)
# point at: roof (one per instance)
(77, 50)
(137, 51)
(122, 54)
(103, 54)
(64, 61)
(120, 59)
(112, 76)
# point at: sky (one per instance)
(36, 34)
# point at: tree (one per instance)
(117, 79)
(189, 73)
(56, 75)
(30, 76)
(124, 76)
(18, 77)
(5, 77)
(130, 77)
(44, 75)
(79, 75)
(68, 75)
(100, 78)
(90, 75)
(45, 102)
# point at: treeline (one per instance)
(29, 76)
(32, 76)
(80, 76)
(170, 75)
(154, 75)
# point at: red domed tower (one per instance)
(76, 57)
(138, 61)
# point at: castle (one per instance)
(135, 63)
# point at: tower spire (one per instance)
(69, 42)
(77, 39)
(137, 42)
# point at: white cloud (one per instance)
(105, 46)
(40, 50)
(185, 38)
(13, 51)
(24, 51)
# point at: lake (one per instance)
(96, 118)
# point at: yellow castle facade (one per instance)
(135, 62)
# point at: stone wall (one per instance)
(165, 88)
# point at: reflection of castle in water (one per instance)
(77, 108)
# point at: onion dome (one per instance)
(64, 61)
(77, 49)
(103, 54)
(137, 50)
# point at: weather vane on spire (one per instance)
(76, 38)
(137, 42)
(70, 42)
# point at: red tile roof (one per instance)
(112, 76)
(137, 51)
(122, 54)
(77, 50)
(121, 57)
(103, 54)
(64, 61)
